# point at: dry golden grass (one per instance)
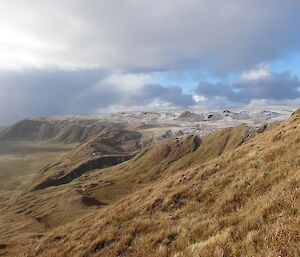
(18, 164)
(42, 210)
(222, 199)
(20, 161)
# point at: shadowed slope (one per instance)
(98, 163)
(108, 148)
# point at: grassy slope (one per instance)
(109, 142)
(19, 162)
(243, 203)
(36, 213)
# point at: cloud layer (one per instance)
(154, 35)
(56, 92)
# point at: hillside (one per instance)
(230, 193)
(245, 202)
(42, 205)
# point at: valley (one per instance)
(20, 160)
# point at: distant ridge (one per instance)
(80, 128)
(64, 130)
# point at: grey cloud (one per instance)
(156, 35)
(168, 94)
(276, 87)
(56, 92)
(48, 92)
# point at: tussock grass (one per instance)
(233, 198)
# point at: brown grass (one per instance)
(223, 199)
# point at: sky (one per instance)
(95, 56)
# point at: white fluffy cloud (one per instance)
(262, 71)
